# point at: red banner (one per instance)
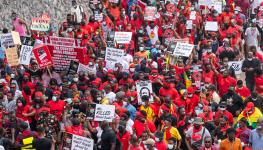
(62, 55)
(42, 56)
(53, 40)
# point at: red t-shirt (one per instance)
(140, 127)
(225, 113)
(161, 145)
(243, 92)
(225, 83)
(57, 108)
(124, 140)
(259, 82)
(209, 76)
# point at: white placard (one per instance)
(25, 54)
(104, 112)
(86, 69)
(81, 143)
(211, 26)
(144, 88)
(6, 40)
(123, 37)
(113, 56)
(236, 65)
(150, 13)
(183, 49)
(189, 24)
(193, 15)
(98, 17)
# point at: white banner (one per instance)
(86, 69)
(183, 49)
(211, 26)
(123, 37)
(113, 56)
(236, 65)
(144, 88)
(150, 13)
(104, 112)
(81, 143)
(25, 54)
(189, 24)
(6, 40)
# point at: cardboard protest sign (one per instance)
(75, 142)
(189, 24)
(144, 88)
(25, 54)
(41, 23)
(104, 112)
(86, 68)
(91, 111)
(174, 40)
(42, 56)
(218, 5)
(211, 26)
(73, 67)
(113, 56)
(123, 37)
(183, 49)
(16, 38)
(236, 65)
(6, 40)
(150, 13)
(53, 40)
(114, 1)
(62, 55)
(12, 57)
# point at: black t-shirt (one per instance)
(107, 138)
(254, 63)
(42, 144)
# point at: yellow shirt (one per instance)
(173, 133)
(105, 101)
(227, 145)
(149, 111)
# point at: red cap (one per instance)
(56, 92)
(154, 71)
(250, 105)
(139, 114)
(26, 74)
(190, 90)
(39, 94)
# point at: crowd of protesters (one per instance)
(209, 108)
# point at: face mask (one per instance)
(141, 48)
(115, 68)
(125, 103)
(75, 79)
(37, 106)
(209, 50)
(19, 104)
(157, 46)
(249, 59)
(132, 69)
(143, 103)
(99, 98)
(182, 7)
(236, 12)
(190, 95)
(254, 99)
(170, 146)
(157, 139)
(54, 98)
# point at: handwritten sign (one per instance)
(6, 40)
(144, 88)
(41, 23)
(113, 56)
(123, 37)
(150, 13)
(12, 57)
(25, 54)
(42, 56)
(114, 1)
(183, 49)
(81, 143)
(211, 26)
(104, 112)
(189, 24)
(53, 40)
(236, 65)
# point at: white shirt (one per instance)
(128, 58)
(77, 10)
(129, 125)
(152, 33)
(251, 36)
(111, 96)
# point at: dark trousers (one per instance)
(250, 83)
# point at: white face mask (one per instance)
(75, 79)
(249, 59)
(143, 103)
(157, 139)
(125, 103)
(141, 48)
(132, 69)
(54, 98)
(115, 68)
(170, 146)
(99, 98)
(190, 95)
(236, 12)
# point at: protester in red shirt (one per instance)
(56, 105)
(242, 90)
(167, 90)
(223, 112)
(123, 135)
(159, 143)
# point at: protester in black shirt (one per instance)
(108, 137)
(249, 66)
(43, 143)
(256, 99)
